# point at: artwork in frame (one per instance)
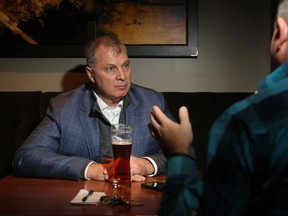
(62, 28)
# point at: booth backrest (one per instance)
(20, 112)
(204, 108)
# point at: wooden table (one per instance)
(34, 196)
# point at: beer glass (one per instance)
(121, 143)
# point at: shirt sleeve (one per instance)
(182, 188)
(86, 169)
(154, 165)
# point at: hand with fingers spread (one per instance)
(173, 137)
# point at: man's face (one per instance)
(111, 75)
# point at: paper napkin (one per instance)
(91, 200)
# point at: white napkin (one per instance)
(91, 200)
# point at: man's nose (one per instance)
(121, 74)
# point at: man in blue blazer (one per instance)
(73, 140)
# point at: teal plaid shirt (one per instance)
(246, 172)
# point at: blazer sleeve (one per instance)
(45, 153)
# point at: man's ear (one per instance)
(90, 73)
(280, 37)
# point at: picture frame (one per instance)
(187, 49)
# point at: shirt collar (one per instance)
(103, 105)
(277, 75)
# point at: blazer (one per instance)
(68, 138)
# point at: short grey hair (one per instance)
(107, 39)
(282, 8)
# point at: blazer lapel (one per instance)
(133, 117)
(90, 127)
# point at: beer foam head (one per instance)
(121, 134)
(125, 142)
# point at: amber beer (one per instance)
(122, 152)
(121, 135)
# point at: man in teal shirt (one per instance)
(246, 171)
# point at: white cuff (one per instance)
(154, 165)
(86, 169)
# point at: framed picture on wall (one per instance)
(62, 28)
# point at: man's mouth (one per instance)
(122, 86)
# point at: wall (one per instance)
(234, 40)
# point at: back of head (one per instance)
(106, 39)
(282, 8)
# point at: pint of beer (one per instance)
(121, 144)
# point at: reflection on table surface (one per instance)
(35, 196)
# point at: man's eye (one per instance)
(126, 66)
(110, 69)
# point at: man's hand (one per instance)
(173, 137)
(139, 168)
(101, 172)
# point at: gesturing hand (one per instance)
(173, 137)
